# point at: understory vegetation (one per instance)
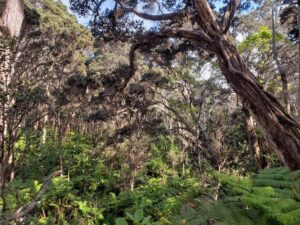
(92, 191)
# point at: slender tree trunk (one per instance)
(132, 181)
(285, 91)
(60, 133)
(281, 131)
(252, 139)
(5, 73)
(298, 61)
(45, 120)
(2, 183)
(44, 136)
(10, 163)
(11, 20)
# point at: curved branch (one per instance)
(229, 14)
(23, 211)
(146, 16)
(168, 16)
(151, 40)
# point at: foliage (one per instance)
(164, 156)
(261, 40)
(137, 218)
(270, 197)
(91, 191)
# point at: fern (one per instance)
(271, 197)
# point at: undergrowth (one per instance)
(272, 197)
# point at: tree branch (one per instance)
(151, 38)
(168, 16)
(146, 16)
(229, 14)
(206, 15)
(23, 211)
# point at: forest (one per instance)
(150, 112)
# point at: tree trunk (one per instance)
(12, 17)
(299, 60)
(5, 77)
(252, 140)
(285, 91)
(132, 183)
(61, 133)
(281, 131)
(11, 21)
(44, 136)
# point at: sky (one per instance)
(81, 20)
(107, 4)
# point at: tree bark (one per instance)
(5, 77)
(11, 21)
(299, 60)
(252, 139)
(281, 131)
(13, 17)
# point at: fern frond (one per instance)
(270, 197)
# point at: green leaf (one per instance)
(129, 215)
(146, 220)
(121, 221)
(138, 215)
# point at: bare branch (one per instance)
(23, 211)
(229, 14)
(206, 15)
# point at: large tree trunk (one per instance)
(282, 132)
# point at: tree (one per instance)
(40, 54)
(196, 22)
(290, 16)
